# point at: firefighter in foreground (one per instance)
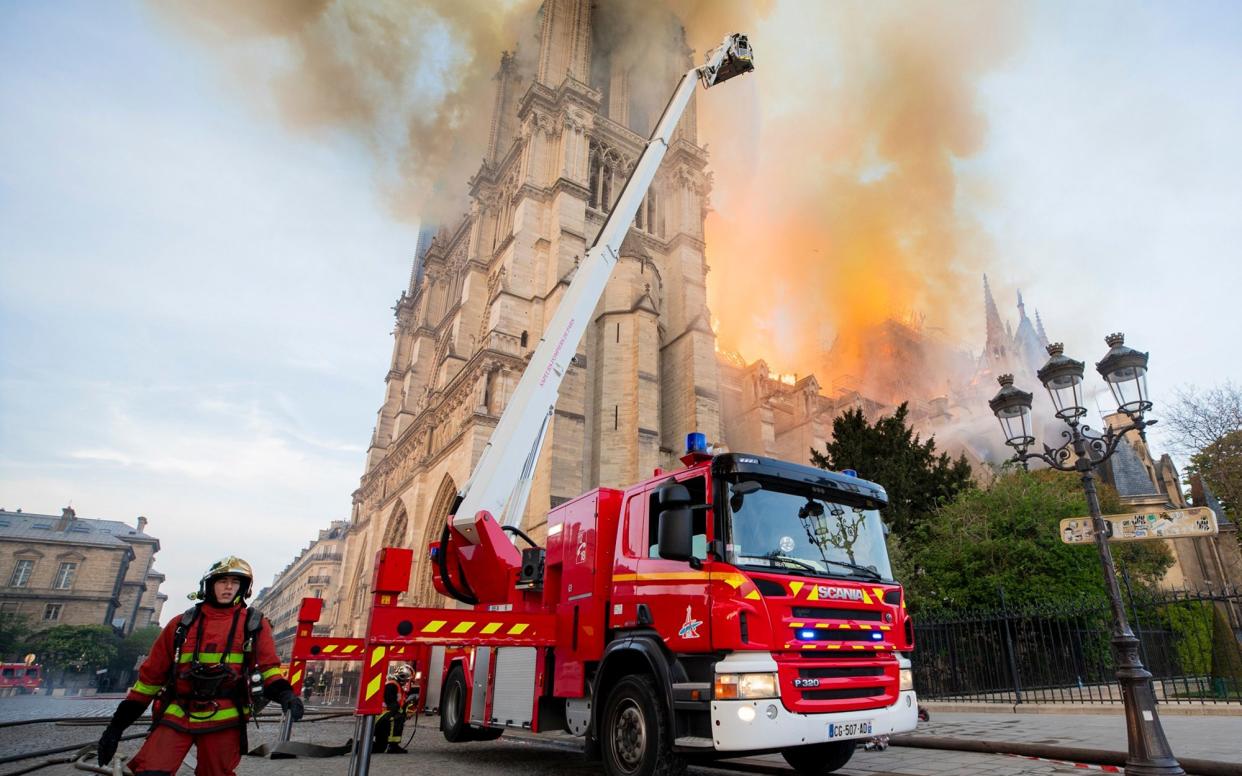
(202, 674)
(398, 703)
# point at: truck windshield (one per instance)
(781, 526)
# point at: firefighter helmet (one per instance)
(403, 673)
(232, 566)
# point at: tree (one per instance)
(1007, 535)
(890, 453)
(75, 647)
(1220, 465)
(1199, 419)
(14, 633)
(130, 649)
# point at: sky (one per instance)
(195, 302)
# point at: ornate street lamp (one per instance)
(1125, 371)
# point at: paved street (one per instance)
(519, 754)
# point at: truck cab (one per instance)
(736, 606)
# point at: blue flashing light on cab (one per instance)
(696, 442)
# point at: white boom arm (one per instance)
(501, 479)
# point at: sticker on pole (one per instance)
(1137, 527)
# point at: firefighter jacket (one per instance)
(214, 646)
(395, 696)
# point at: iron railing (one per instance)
(1059, 652)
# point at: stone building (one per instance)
(314, 573)
(1146, 484)
(566, 130)
(69, 570)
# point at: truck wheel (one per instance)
(453, 708)
(818, 759)
(637, 739)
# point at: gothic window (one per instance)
(605, 166)
(649, 218)
(525, 336)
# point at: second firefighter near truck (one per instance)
(399, 700)
(204, 677)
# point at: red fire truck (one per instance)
(25, 677)
(734, 606)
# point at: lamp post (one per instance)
(1125, 371)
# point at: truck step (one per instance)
(697, 742)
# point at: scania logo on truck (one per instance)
(840, 593)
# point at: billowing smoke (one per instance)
(843, 195)
(840, 197)
(411, 80)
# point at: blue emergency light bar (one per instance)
(696, 442)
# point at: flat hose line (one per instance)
(82, 722)
(1191, 765)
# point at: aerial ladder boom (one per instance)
(501, 479)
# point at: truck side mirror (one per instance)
(675, 534)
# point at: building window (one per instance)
(51, 612)
(21, 573)
(604, 165)
(65, 575)
(10, 608)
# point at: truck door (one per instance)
(676, 593)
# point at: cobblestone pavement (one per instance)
(522, 754)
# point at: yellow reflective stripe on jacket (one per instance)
(214, 657)
(143, 688)
(174, 710)
(269, 673)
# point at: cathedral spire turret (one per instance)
(997, 339)
(1039, 329)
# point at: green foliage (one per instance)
(132, 647)
(14, 633)
(1220, 465)
(1191, 623)
(918, 480)
(1007, 535)
(75, 647)
(1226, 655)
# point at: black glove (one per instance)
(281, 692)
(124, 716)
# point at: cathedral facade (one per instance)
(566, 130)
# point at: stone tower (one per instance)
(570, 116)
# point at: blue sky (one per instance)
(195, 303)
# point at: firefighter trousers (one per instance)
(218, 752)
(388, 730)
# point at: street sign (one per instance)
(1141, 526)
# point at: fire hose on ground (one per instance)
(283, 748)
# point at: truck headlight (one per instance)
(746, 686)
(907, 679)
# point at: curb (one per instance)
(1166, 709)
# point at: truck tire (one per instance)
(453, 722)
(818, 759)
(637, 738)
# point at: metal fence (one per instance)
(1059, 652)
